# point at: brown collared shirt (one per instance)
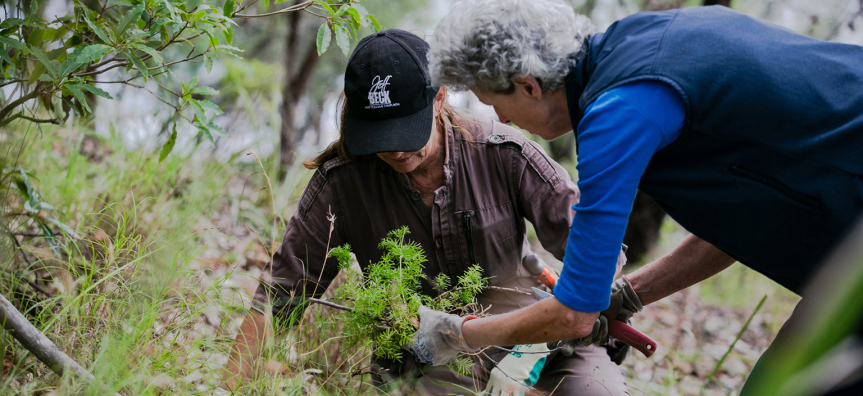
(495, 180)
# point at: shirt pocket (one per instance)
(490, 238)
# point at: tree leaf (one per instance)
(354, 14)
(94, 90)
(49, 237)
(5, 56)
(128, 20)
(205, 91)
(375, 25)
(96, 29)
(343, 39)
(228, 9)
(12, 22)
(324, 37)
(216, 128)
(65, 228)
(229, 35)
(190, 85)
(123, 3)
(76, 92)
(360, 9)
(68, 66)
(139, 64)
(199, 111)
(15, 44)
(149, 51)
(326, 7)
(37, 72)
(156, 25)
(341, 11)
(53, 67)
(92, 53)
(206, 132)
(169, 145)
(37, 36)
(164, 34)
(228, 48)
(23, 188)
(208, 63)
(210, 105)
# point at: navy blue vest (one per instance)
(769, 166)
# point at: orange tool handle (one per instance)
(537, 269)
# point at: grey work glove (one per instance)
(438, 339)
(624, 304)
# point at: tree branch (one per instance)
(55, 121)
(153, 93)
(298, 7)
(13, 81)
(11, 106)
(95, 72)
(40, 346)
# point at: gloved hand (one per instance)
(438, 339)
(523, 370)
(624, 304)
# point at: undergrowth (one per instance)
(387, 296)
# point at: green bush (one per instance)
(387, 295)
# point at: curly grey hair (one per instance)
(483, 44)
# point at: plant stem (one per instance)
(731, 347)
(330, 304)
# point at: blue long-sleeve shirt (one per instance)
(616, 139)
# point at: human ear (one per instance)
(528, 86)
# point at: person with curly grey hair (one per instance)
(745, 133)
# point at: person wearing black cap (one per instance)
(463, 186)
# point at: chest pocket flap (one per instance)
(536, 158)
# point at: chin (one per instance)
(404, 168)
(549, 135)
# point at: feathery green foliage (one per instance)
(387, 296)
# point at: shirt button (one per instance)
(494, 138)
(416, 195)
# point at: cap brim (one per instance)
(404, 134)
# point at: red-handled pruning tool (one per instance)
(617, 329)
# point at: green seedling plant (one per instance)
(386, 296)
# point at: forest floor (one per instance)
(149, 298)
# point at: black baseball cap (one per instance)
(389, 94)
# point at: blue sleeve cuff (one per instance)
(565, 293)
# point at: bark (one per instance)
(36, 342)
(298, 73)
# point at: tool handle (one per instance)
(536, 268)
(632, 337)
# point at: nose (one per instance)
(501, 117)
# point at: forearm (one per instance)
(246, 349)
(547, 320)
(693, 261)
